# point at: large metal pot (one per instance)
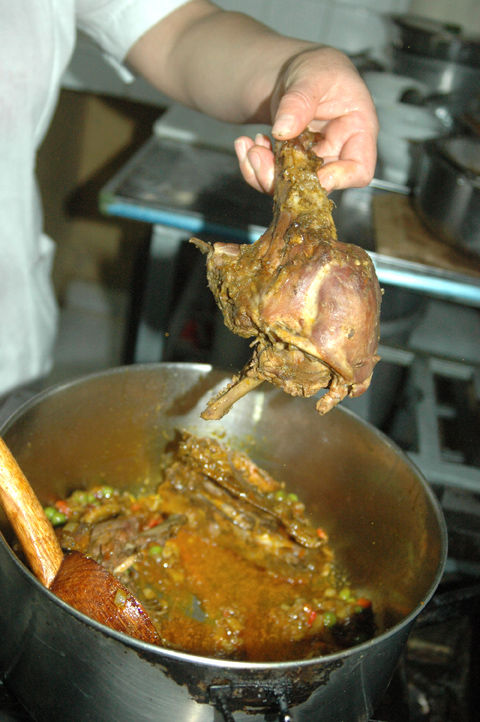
(381, 517)
(447, 191)
(438, 54)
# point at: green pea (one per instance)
(280, 495)
(292, 497)
(329, 619)
(82, 497)
(56, 517)
(345, 594)
(155, 550)
(105, 492)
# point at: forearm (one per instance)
(223, 63)
(230, 66)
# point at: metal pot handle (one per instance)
(221, 694)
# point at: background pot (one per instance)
(381, 517)
(438, 54)
(447, 191)
(403, 128)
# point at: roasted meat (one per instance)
(311, 303)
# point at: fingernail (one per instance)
(239, 144)
(255, 161)
(283, 125)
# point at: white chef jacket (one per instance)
(37, 38)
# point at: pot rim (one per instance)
(227, 664)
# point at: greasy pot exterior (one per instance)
(379, 513)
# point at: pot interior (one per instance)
(381, 517)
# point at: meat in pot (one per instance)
(224, 559)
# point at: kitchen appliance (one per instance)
(380, 515)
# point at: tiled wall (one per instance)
(355, 27)
(351, 26)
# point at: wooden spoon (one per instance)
(74, 577)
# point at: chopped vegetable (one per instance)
(346, 594)
(104, 492)
(223, 557)
(329, 619)
(155, 550)
(56, 517)
(81, 497)
(363, 602)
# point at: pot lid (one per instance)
(444, 41)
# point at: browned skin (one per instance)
(311, 303)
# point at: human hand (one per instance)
(320, 89)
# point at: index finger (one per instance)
(352, 170)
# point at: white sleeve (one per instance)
(115, 25)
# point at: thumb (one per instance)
(296, 109)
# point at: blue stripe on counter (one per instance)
(193, 224)
(413, 279)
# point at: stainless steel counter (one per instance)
(185, 187)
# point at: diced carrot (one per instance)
(363, 602)
(62, 506)
(321, 533)
(154, 521)
(311, 617)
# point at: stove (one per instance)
(432, 420)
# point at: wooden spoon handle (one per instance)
(27, 517)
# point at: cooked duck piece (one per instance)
(311, 303)
(246, 483)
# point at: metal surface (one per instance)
(440, 55)
(441, 76)
(382, 518)
(425, 411)
(198, 190)
(447, 192)
(436, 39)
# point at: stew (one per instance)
(223, 557)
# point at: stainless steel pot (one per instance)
(447, 191)
(380, 514)
(439, 54)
